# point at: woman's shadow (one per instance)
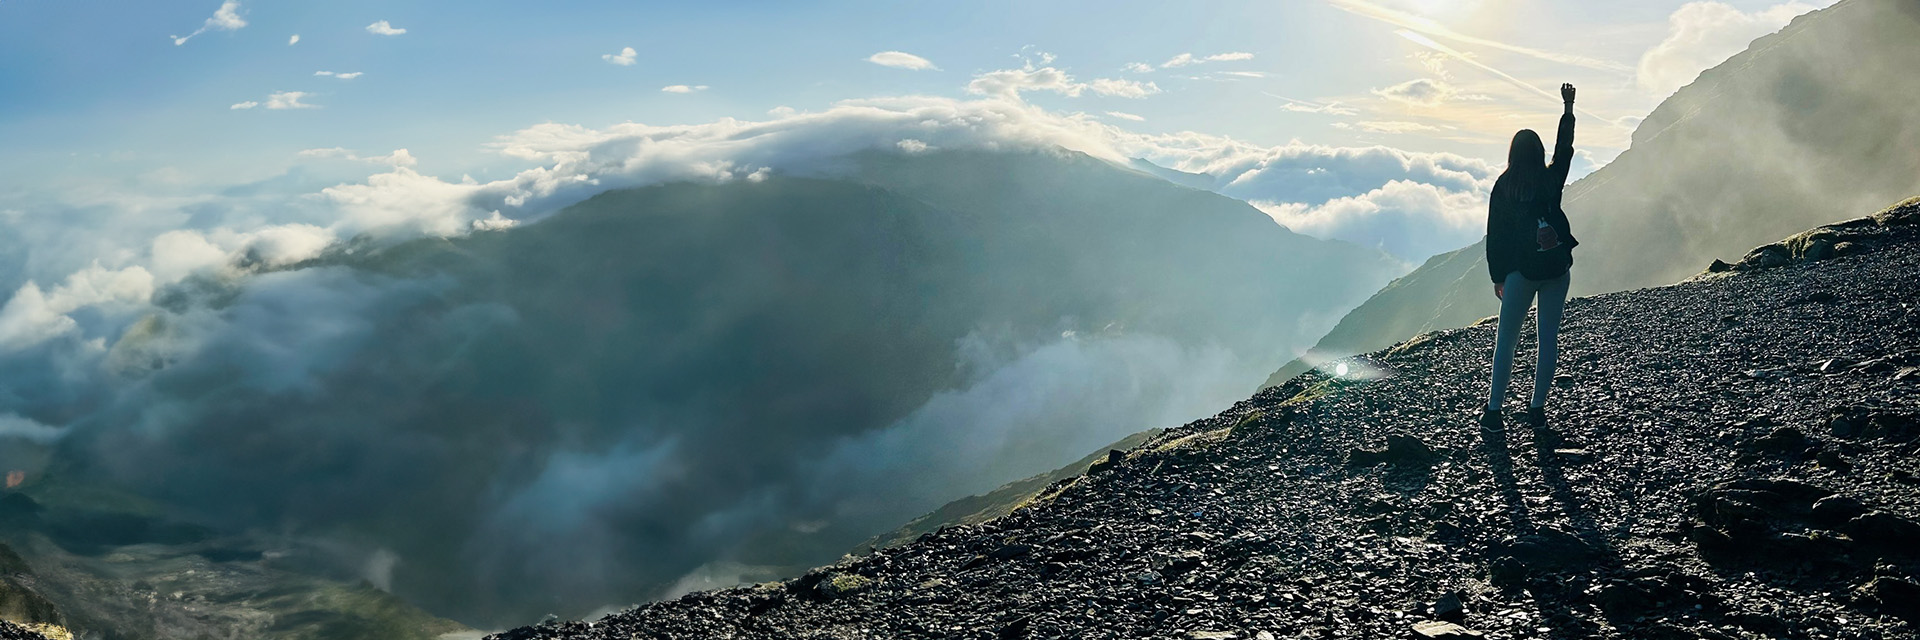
(1552, 558)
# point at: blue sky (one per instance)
(105, 111)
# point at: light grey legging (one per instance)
(1514, 302)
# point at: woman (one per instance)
(1529, 253)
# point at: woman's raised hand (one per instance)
(1566, 92)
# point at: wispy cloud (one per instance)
(1188, 59)
(681, 88)
(901, 60)
(1425, 92)
(399, 157)
(244, 105)
(342, 76)
(1389, 126)
(293, 40)
(1429, 27)
(1123, 88)
(1138, 67)
(625, 58)
(383, 28)
(226, 18)
(1309, 106)
(1126, 116)
(1010, 83)
(1456, 54)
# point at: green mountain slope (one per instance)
(676, 378)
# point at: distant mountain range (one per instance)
(1807, 124)
(650, 382)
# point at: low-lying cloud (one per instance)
(199, 331)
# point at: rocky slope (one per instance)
(1730, 457)
(1806, 125)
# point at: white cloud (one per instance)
(1409, 220)
(1138, 67)
(383, 28)
(1387, 126)
(1126, 116)
(33, 316)
(681, 88)
(1010, 83)
(625, 58)
(1409, 204)
(226, 18)
(342, 76)
(289, 100)
(1123, 88)
(1703, 34)
(911, 145)
(293, 40)
(901, 60)
(1187, 59)
(244, 105)
(1426, 92)
(1330, 108)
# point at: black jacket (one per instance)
(1511, 219)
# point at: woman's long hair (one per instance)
(1526, 165)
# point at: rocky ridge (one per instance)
(1732, 456)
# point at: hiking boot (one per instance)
(1537, 417)
(1490, 420)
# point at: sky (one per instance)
(145, 105)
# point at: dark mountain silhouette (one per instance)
(1811, 121)
(1731, 456)
(664, 376)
